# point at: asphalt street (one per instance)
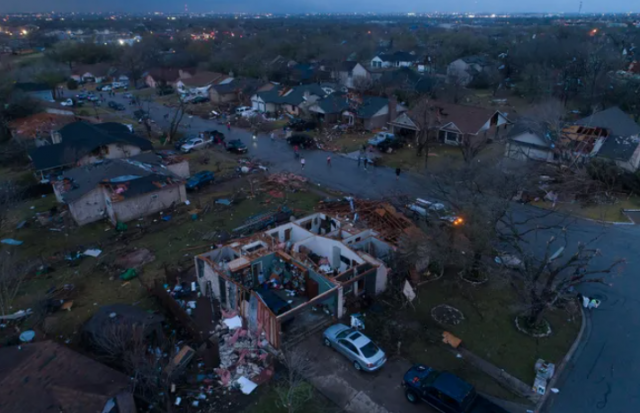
(604, 375)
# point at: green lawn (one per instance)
(174, 243)
(268, 402)
(488, 329)
(610, 213)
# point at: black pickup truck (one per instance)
(445, 392)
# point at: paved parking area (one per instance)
(358, 392)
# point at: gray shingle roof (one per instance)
(79, 139)
(293, 97)
(613, 119)
(77, 182)
(619, 148)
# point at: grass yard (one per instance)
(610, 213)
(488, 329)
(174, 243)
(268, 402)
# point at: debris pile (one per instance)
(244, 360)
(287, 180)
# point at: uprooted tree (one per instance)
(542, 279)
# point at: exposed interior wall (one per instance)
(373, 246)
(181, 169)
(325, 247)
(147, 204)
(295, 233)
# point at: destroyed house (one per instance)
(294, 279)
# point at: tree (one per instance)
(541, 280)
(176, 118)
(293, 390)
(427, 120)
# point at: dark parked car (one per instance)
(389, 145)
(236, 146)
(199, 179)
(218, 137)
(164, 90)
(445, 391)
(301, 140)
(115, 105)
(300, 125)
(140, 114)
(81, 96)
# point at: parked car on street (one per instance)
(198, 180)
(178, 144)
(118, 85)
(106, 88)
(82, 96)
(301, 140)
(242, 109)
(140, 114)
(115, 105)
(218, 137)
(445, 392)
(195, 144)
(67, 102)
(433, 212)
(92, 98)
(127, 95)
(236, 146)
(380, 137)
(199, 99)
(363, 353)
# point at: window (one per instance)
(369, 349)
(344, 333)
(349, 346)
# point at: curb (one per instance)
(563, 364)
(599, 221)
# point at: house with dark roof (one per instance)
(238, 90)
(293, 100)
(370, 112)
(397, 59)
(47, 377)
(350, 73)
(618, 137)
(162, 77)
(118, 189)
(466, 69)
(82, 143)
(455, 123)
(407, 80)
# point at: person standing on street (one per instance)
(229, 126)
(398, 173)
(329, 161)
(302, 163)
(272, 136)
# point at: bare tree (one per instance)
(11, 277)
(9, 196)
(542, 279)
(176, 119)
(425, 116)
(293, 390)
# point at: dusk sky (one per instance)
(298, 6)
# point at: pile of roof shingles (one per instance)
(379, 216)
(287, 180)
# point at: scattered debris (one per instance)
(135, 259)
(128, 274)
(92, 253)
(11, 241)
(223, 201)
(233, 323)
(246, 385)
(27, 336)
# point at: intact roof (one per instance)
(468, 119)
(44, 377)
(239, 85)
(614, 120)
(81, 138)
(619, 148)
(398, 57)
(407, 79)
(292, 96)
(202, 79)
(77, 182)
(370, 106)
(346, 65)
(334, 103)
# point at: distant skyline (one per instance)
(321, 6)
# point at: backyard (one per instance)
(613, 212)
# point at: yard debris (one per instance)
(223, 201)
(233, 323)
(246, 385)
(287, 180)
(135, 259)
(27, 336)
(92, 252)
(11, 241)
(128, 274)
(450, 339)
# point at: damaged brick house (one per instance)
(119, 189)
(293, 279)
(82, 143)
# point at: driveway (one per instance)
(603, 377)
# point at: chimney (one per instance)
(393, 108)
